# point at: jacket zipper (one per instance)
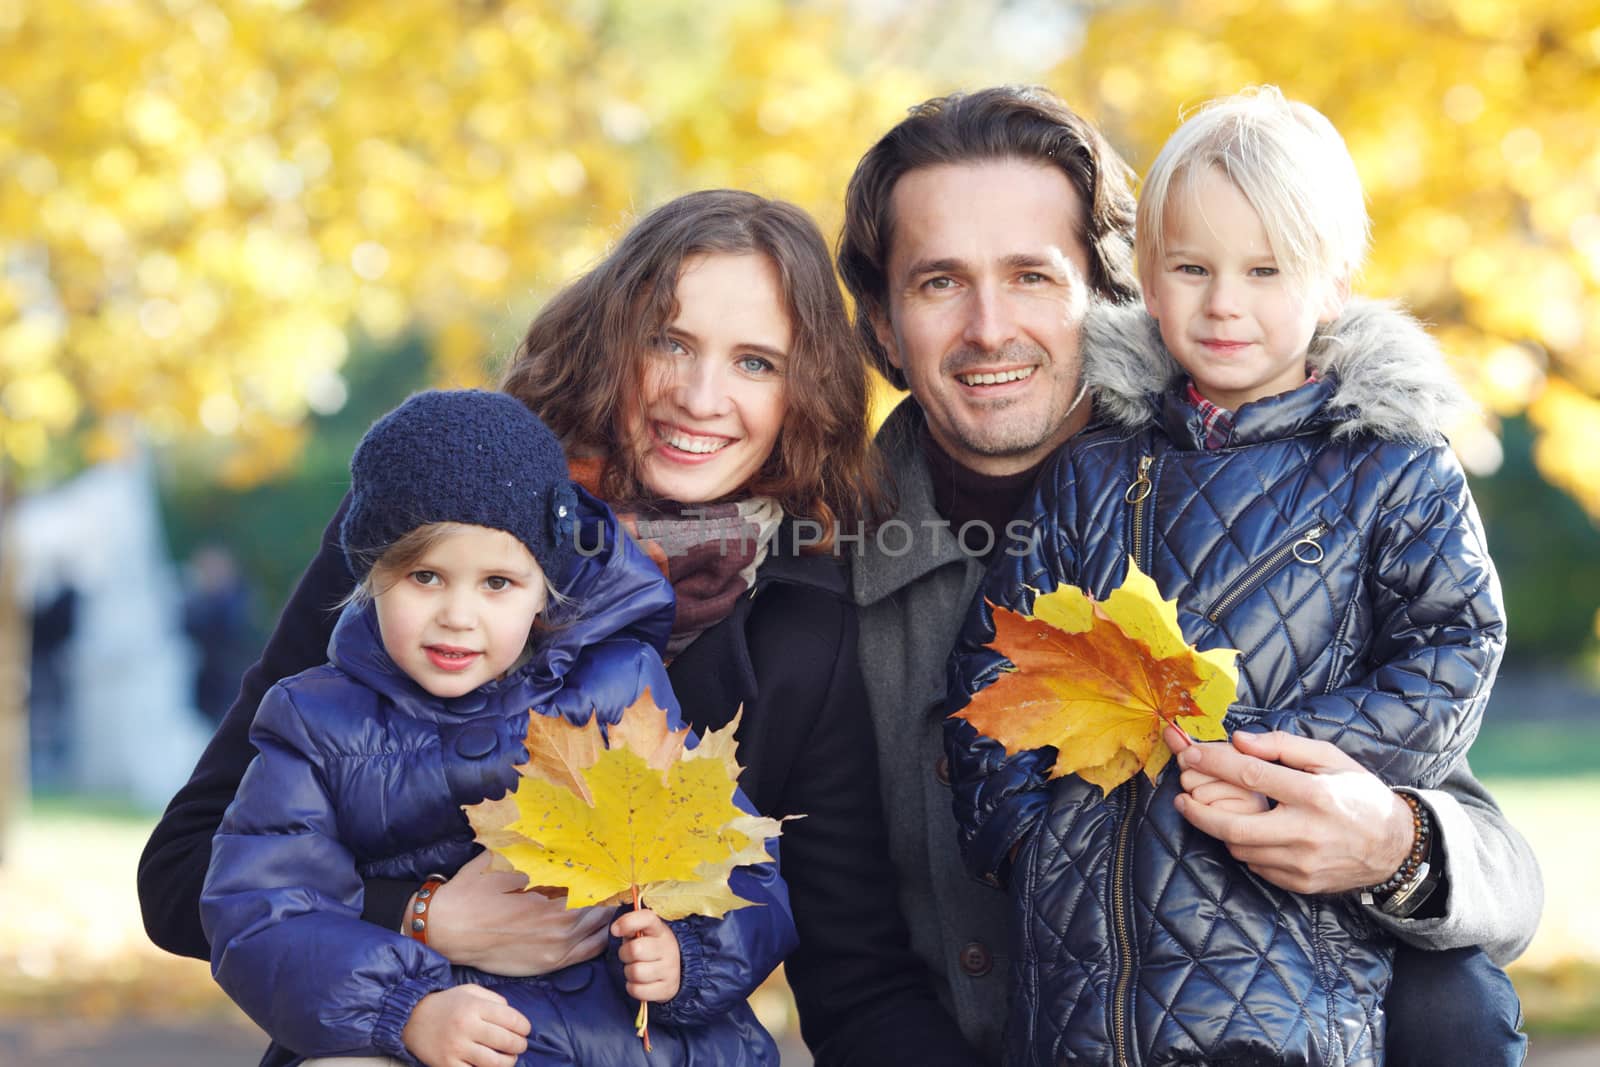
(1304, 548)
(1122, 1002)
(1137, 494)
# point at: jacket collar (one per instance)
(929, 542)
(1301, 410)
(1385, 376)
(786, 563)
(615, 591)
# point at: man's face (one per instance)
(987, 288)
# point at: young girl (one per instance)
(463, 530)
(1274, 461)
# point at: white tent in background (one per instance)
(134, 730)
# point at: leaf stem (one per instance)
(641, 1022)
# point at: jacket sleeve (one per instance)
(1438, 630)
(724, 960)
(1492, 888)
(175, 858)
(863, 995)
(282, 909)
(998, 798)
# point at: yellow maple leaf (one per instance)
(1099, 680)
(643, 813)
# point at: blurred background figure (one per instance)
(115, 706)
(218, 606)
(50, 624)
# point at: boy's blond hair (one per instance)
(1288, 161)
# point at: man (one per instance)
(977, 234)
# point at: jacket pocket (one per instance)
(1304, 547)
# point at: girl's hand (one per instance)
(466, 1026)
(1216, 793)
(480, 919)
(649, 954)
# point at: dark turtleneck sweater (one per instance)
(965, 496)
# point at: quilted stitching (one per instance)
(1386, 648)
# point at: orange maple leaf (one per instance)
(1099, 680)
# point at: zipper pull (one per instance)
(1307, 550)
(1141, 485)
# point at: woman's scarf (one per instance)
(709, 552)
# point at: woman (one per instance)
(706, 382)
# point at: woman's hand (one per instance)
(649, 953)
(480, 918)
(466, 1026)
(1207, 789)
(1336, 826)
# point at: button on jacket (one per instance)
(1333, 541)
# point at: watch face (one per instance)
(1410, 896)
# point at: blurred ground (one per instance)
(80, 986)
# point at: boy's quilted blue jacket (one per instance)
(361, 773)
(1333, 541)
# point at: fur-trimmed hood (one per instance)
(1390, 377)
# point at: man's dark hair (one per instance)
(1007, 122)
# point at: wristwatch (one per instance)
(1410, 896)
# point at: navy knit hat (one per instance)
(465, 456)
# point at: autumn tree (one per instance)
(203, 201)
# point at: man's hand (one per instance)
(1336, 827)
(1216, 792)
(479, 918)
(466, 1026)
(651, 962)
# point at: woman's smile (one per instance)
(698, 445)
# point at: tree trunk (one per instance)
(13, 678)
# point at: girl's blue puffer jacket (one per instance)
(361, 773)
(1334, 542)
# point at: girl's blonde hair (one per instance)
(1288, 162)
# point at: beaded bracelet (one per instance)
(1422, 829)
(416, 927)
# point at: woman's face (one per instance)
(714, 394)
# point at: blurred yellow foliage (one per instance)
(202, 200)
(1474, 126)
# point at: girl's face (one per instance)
(714, 394)
(1228, 315)
(460, 616)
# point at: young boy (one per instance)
(1274, 460)
(461, 530)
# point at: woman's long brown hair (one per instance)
(582, 365)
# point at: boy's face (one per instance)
(1229, 316)
(461, 615)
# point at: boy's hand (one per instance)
(466, 1026)
(649, 954)
(1216, 793)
